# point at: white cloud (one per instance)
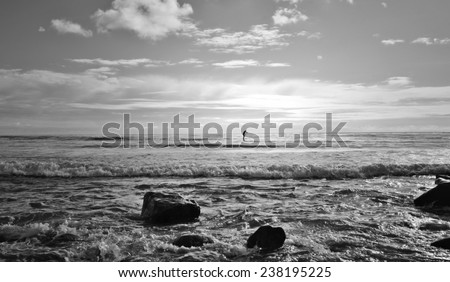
(399, 81)
(310, 35)
(101, 72)
(258, 37)
(319, 57)
(390, 42)
(154, 19)
(122, 62)
(191, 61)
(285, 16)
(290, 1)
(423, 40)
(43, 96)
(234, 64)
(384, 4)
(64, 26)
(431, 41)
(277, 65)
(41, 29)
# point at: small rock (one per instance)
(192, 240)
(444, 244)
(267, 238)
(165, 208)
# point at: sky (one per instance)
(68, 67)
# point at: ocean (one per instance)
(351, 203)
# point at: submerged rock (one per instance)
(436, 197)
(165, 208)
(267, 238)
(444, 244)
(192, 240)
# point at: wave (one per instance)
(84, 170)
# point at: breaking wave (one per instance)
(86, 170)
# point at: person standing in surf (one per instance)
(243, 135)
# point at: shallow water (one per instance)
(335, 204)
(338, 220)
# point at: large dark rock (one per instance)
(192, 240)
(436, 197)
(267, 238)
(165, 208)
(444, 244)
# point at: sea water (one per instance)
(352, 203)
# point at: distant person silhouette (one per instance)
(243, 135)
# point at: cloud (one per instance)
(384, 4)
(45, 98)
(319, 57)
(310, 35)
(431, 41)
(390, 42)
(277, 65)
(257, 38)
(421, 101)
(121, 62)
(399, 81)
(235, 64)
(64, 26)
(285, 16)
(191, 61)
(154, 19)
(101, 72)
(41, 29)
(290, 1)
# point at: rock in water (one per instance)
(165, 208)
(436, 197)
(444, 244)
(441, 179)
(192, 240)
(267, 238)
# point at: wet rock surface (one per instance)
(267, 238)
(167, 208)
